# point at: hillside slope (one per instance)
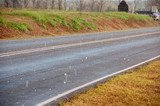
(17, 24)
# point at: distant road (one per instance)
(33, 71)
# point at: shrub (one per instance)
(18, 26)
(79, 23)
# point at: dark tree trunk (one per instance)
(6, 3)
(60, 4)
(53, 4)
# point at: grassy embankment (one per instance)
(138, 88)
(17, 24)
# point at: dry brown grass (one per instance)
(138, 88)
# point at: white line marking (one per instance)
(93, 82)
(70, 45)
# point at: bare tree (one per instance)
(34, 3)
(60, 4)
(25, 3)
(135, 2)
(65, 4)
(7, 3)
(53, 4)
(15, 3)
(119, 1)
(101, 4)
(92, 4)
(80, 5)
(154, 3)
(45, 4)
(38, 4)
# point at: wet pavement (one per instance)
(30, 78)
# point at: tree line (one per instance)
(79, 5)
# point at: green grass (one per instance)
(122, 16)
(18, 26)
(3, 21)
(63, 21)
(76, 20)
(55, 19)
(79, 23)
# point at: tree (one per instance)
(135, 2)
(101, 4)
(7, 3)
(65, 4)
(34, 3)
(60, 4)
(15, 3)
(154, 3)
(92, 4)
(80, 5)
(123, 6)
(119, 1)
(25, 3)
(53, 4)
(45, 4)
(38, 4)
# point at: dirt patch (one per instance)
(7, 32)
(36, 30)
(117, 24)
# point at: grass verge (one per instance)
(18, 26)
(138, 87)
(42, 23)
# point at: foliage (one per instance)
(79, 23)
(71, 20)
(18, 26)
(123, 6)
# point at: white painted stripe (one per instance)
(70, 45)
(93, 82)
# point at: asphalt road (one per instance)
(32, 71)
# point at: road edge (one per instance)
(54, 100)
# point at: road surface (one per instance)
(33, 71)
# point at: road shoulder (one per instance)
(141, 87)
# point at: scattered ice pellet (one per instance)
(45, 44)
(27, 82)
(75, 73)
(70, 67)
